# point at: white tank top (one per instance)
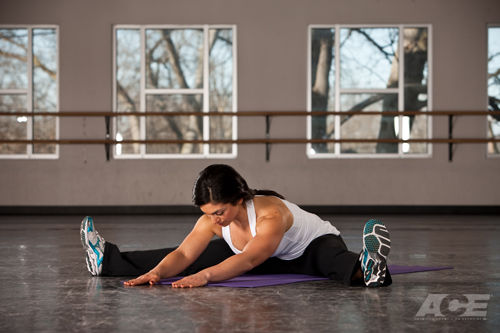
(305, 228)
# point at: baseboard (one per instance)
(191, 210)
(405, 210)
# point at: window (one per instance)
(29, 83)
(181, 69)
(357, 68)
(494, 88)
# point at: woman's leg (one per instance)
(329, 256)
(105, 259)
(216, 252)
(325, 256)
(133, 263)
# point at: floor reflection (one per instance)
(44, 284)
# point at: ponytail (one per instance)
(268, 192)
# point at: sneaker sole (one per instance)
(377, 243)
(376, 238)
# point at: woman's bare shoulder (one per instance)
(205, 223)
(269, 207)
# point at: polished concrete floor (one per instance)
(45, 286)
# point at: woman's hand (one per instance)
(150, 277)
(191, 281)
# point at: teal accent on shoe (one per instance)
(99, 262)
(90, 224)
(372, 243)
(369, 270)
(94, 248)
(369, 226)
(365, 257)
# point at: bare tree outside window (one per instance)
(12, 128)
(182, 69)
(128, 88)
(221, 67)
(368, 79)
(13, 76)
(174, 60)
(494, 88)
(323, 86)
(28, 83)
(44, 78)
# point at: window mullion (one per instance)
(13, 91)
(235, 89)
(115, 95)
(29, 98)
(309, 88)
(206, 90)
(401, 85)
(58, 119)
(369, 91)
(337, 88)
(171, 91)
(142, 121)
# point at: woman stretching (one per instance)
(260, 233)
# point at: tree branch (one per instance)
(370, 39)
(494, 74)
(36, 62)
(493, 56)
(176, 64)
(124, 93)
(362, 105)
(154, 78)
(12, 41)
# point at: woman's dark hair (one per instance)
(220, 183)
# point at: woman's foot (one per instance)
(93, 244)
(376, 247)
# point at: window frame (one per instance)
(204, 91)
(339, 91)
(29, 92)
(488, 26)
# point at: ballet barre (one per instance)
(267, 140)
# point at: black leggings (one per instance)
(325, 256)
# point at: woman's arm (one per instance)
(257, 250)
(179, 259)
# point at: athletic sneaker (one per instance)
(376, 247)
(93, 244)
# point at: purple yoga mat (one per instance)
(252, 281)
